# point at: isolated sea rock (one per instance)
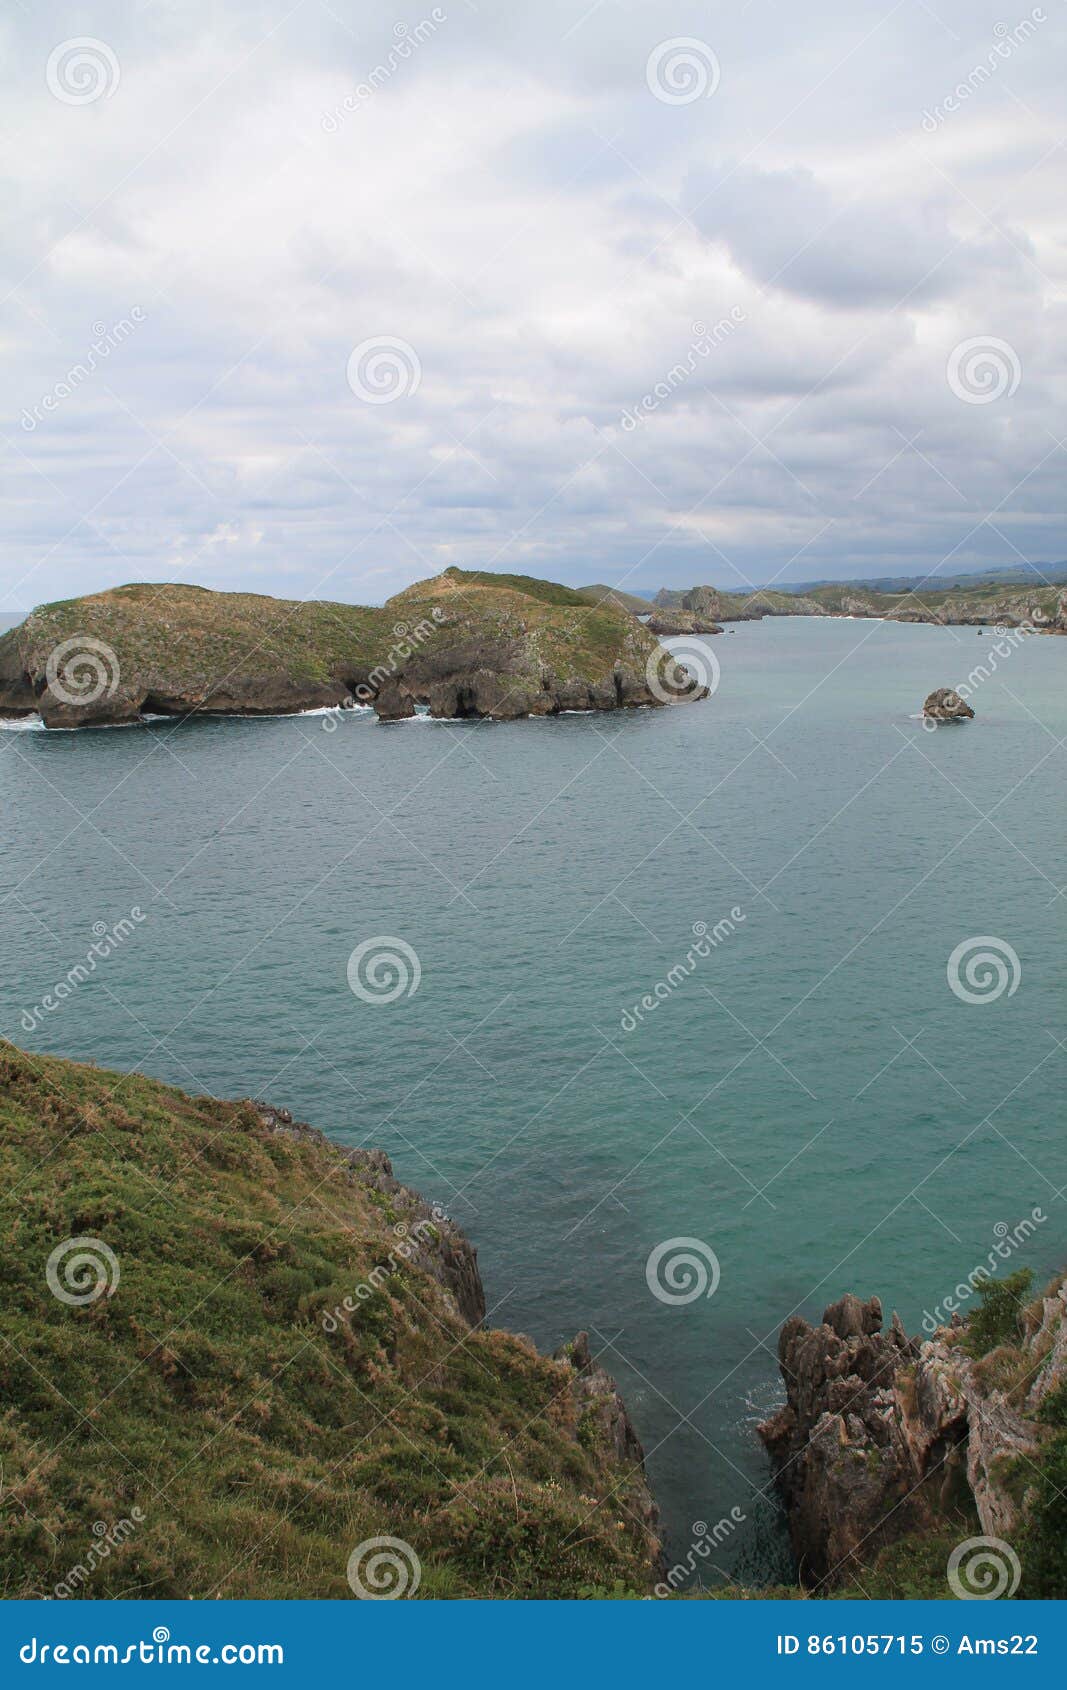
(944, 704)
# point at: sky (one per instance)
(319, 299)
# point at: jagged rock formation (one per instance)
(596, 1392)
(881, 1433)
(945, 705)
(710, 603)
(664, 623)
(838, 1451)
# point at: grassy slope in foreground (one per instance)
(464, 643)
(260, 1447)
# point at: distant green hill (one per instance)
(983, 603)
(631, 601)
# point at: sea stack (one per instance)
(946, 705)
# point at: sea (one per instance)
(693, 1018)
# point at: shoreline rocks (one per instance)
(882, 1434)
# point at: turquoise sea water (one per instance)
(812, 1102)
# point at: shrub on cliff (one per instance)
(998, 1318)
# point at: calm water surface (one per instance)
(812, 1103)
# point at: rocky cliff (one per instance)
(884, 1437)
(233, 1354)
(718, 606)
(462, 644)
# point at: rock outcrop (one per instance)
(713, 605)
(597, 1396)
(945, 705)
(664, 623)
(882, 1434)
(838, 1450)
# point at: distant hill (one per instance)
(635, 602)
(980, 603)
(1000, 575)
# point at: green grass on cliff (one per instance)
(548, 592)
(203, 1390)
(554, 625)
(181, 637)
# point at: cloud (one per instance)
(500, 190)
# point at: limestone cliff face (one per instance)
(665, 623)
(881, 1432)
(711, 604)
